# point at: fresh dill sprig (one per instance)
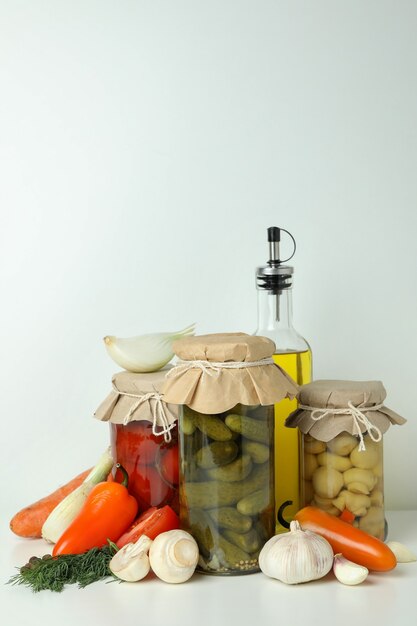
(54, 573)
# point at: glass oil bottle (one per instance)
(293, 355)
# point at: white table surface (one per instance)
(383, 599)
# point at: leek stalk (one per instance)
(67, 510)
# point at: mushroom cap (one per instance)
(173, 556)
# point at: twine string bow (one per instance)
(213, 368)
(358, 417)
(158, 411)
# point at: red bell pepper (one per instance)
(108, 511)
(355, 544)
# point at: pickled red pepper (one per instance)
(107, 513)
(355, 544)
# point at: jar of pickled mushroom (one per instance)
(342, 423)
(144, 437)
(227, 385)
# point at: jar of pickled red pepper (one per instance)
(342, 423)
(144, 436)
(227, 385)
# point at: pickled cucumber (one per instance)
(216, 453)
(230, 555)
(239, 469)
(203, 530)
(225, 462)
(241, 409)
(187, 423)
(256, 430)
(210, 494)
(213, 426)
(263, 531)
(229, 517)
(258, 451)
(216, 548)
(257, 412)
(249, 542)
(192, 472)
(253, 503)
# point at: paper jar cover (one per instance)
(215, 391)
(335, 394)
(116, 406)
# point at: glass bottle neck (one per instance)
(274, 310)
(275, 321)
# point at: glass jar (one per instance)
(144, 437)
(227, 385)
(340, 478)
(227, 485)
(150, 461)
(342, 424)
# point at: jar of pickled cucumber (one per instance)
(341, 472)
(227, 386)
(144, 437)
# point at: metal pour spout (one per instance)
(275, 277)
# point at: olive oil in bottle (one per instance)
(293, 355)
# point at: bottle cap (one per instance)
(275, 276)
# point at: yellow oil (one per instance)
(298, 366)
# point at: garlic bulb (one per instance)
(131, 563)
(297, 556)
(347, 572)
(144, 353)
(402, 553)
(174, 556)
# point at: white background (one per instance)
(146, 146)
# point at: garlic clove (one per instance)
(296, 557)
(144, 353)
(347, 572)
(173, 556)
(402, 553)
(131, 563)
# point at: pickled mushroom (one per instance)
(327, 482)
(365, 459)
(343, 444)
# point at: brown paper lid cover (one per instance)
(336, 394)
(215, 391)
(128, 390)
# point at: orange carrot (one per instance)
(29, 521)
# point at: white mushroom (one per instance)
(313, 446)
(343, 444)
(131, 563)
(356, 503)
(310, 464)
(327, 482)
(373, 522)
(366, 459)
(308, 491)
(378, 470)
(377, 498)
(174, 556)
(339, 463)
(359, 480)
(324, 503)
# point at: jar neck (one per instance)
(274, 310)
